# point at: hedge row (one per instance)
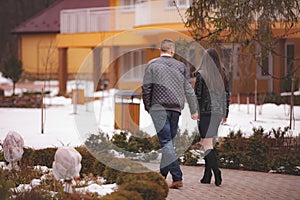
(274, 151)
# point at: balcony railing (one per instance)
(117, 18)
(95, 20)
(157, 12)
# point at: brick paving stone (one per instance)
(237, 184)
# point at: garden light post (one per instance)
(292, 101)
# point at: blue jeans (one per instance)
(166, 125)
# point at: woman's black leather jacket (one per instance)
(211, 102)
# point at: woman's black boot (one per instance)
(213, 164)
(207, 173)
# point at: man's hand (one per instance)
(224, 120)
(195, 116)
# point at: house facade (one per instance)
(112, 41)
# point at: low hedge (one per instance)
(122, 194)
(147, 189)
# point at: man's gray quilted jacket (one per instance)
(166, 84)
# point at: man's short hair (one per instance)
(167, 45)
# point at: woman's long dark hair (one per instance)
(213, 71)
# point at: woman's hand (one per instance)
(195, 116)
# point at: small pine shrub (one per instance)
(139, 142)
(190, 157)
(98, 143)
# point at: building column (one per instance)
(278, 66)
(62, 71)
(96, 67)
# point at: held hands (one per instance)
(224, 120)
(195, 116)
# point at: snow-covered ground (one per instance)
(67, 124)
(63, 127)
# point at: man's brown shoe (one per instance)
(176, 184)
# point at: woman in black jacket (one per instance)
(212, 91)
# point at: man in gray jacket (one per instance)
(165, 88)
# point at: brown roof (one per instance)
(47, 21)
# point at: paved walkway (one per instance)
(236, 184)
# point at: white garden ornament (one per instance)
(66, 165)
(13, 149)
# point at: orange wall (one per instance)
(38, 53)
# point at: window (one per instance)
(133, 65)
(290, 56)
(128, 5)
(230, 56)
(179, 3)
(265, 65)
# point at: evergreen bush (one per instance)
(119, 167)
(231, 151)
(146, 176)
(190, 158)
(123, 195)
(5, 184)
(147, 189)
(33, 194)
(89, 164)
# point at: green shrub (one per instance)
(146, 176)
(140, 142)
(89, 163)
(275, 150)
(286, 164)
(49, 183)
(76, 196)
(256, 152)
(147, 189)
(231, 151)
(190, 158)
(5, 184)
(22, 176)
(2, 156)
(120, 166)
(44, 157)
(120, 140)
(114, 169)
(98, 143)
(27, 157)
(123, 195)
(33, 194)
